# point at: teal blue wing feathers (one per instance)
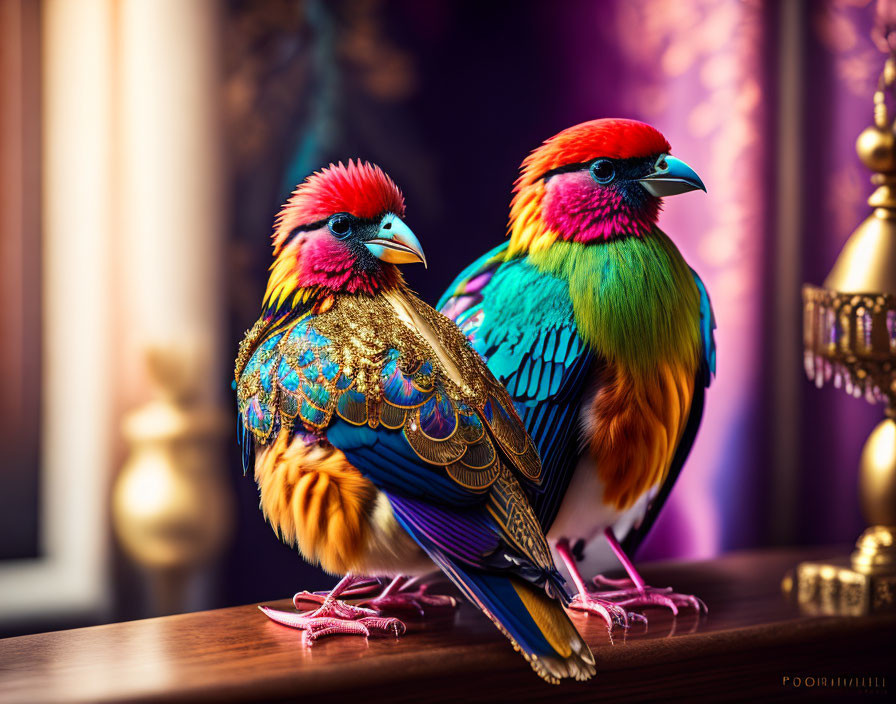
(521, 321)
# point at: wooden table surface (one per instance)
(750, 641)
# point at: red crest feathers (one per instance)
(611, 138)
(361, 188)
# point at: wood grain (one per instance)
(750, 641)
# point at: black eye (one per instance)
(340, 225)
(603, 171)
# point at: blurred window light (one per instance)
(67, 579)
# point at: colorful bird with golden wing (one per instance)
(381, 443)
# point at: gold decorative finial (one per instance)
(849, 336)
(867, 263)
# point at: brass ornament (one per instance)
(876, 551)
(171, 506)
(849, 340)
(837, 589)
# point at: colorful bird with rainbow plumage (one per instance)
(381, 443)
(603, 335)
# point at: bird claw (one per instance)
(627, 595)
(611, 612)
(417, 603)
(335, 617)
(361, 588)
(344, 609)
(320, 628)
(634, 616)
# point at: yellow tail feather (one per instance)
(574, 656)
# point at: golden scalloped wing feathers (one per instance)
(300, 377)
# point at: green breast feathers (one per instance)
(635, 299)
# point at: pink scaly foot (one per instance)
(335, 617)
(397, 598)
(363, 587)
(645, 597)
(613, 614)
(635, 593)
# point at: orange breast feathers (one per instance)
(634, 425)
(314, 498)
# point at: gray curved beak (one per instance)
(671, 176)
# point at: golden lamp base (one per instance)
(849, 338)
(865, 584)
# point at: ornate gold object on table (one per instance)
(171, 506)
(849, 336)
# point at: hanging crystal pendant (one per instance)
(850, 339)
